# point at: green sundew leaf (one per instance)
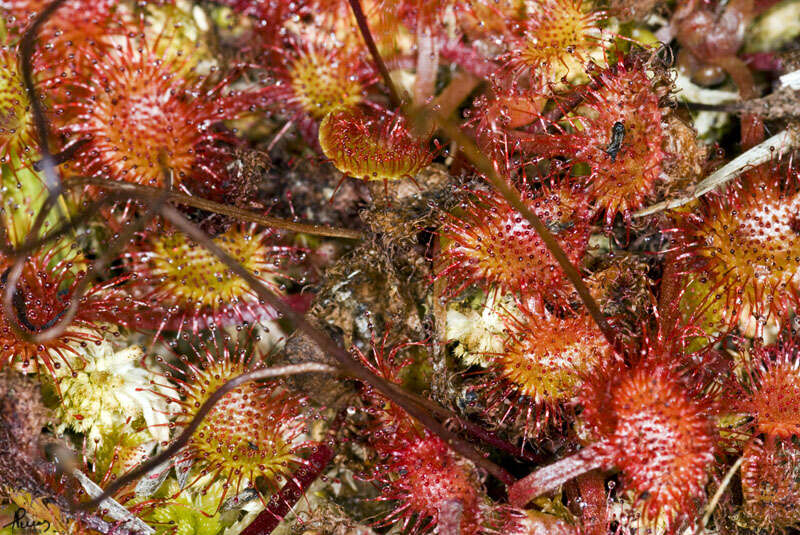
(23, 194)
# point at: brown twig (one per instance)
(211, 206)
(363, 27)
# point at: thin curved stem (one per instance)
(484, 166)
(202, 412)
(511, 195)
(97, 266)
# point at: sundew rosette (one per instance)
(141, 113)
(769, 389)
(652, 418)
(559, 38)
(542, 365)
(617, 133)
(416, 471)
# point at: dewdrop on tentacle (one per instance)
(43, 293)
(136, 107)
(417, 470)
(542, 364)
(616, 131)
(770, 390)
(254, 431)
(372, 145)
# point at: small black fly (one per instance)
(617, 135)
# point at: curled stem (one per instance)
(99, 265)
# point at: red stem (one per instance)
(752, 126)
(470, 149)
(280, 504)
(593, 494)
(552, 476)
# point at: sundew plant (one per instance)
(400, 267)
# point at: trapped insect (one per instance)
(617, 135)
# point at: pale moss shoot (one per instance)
(109, 390)
(479, 330)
